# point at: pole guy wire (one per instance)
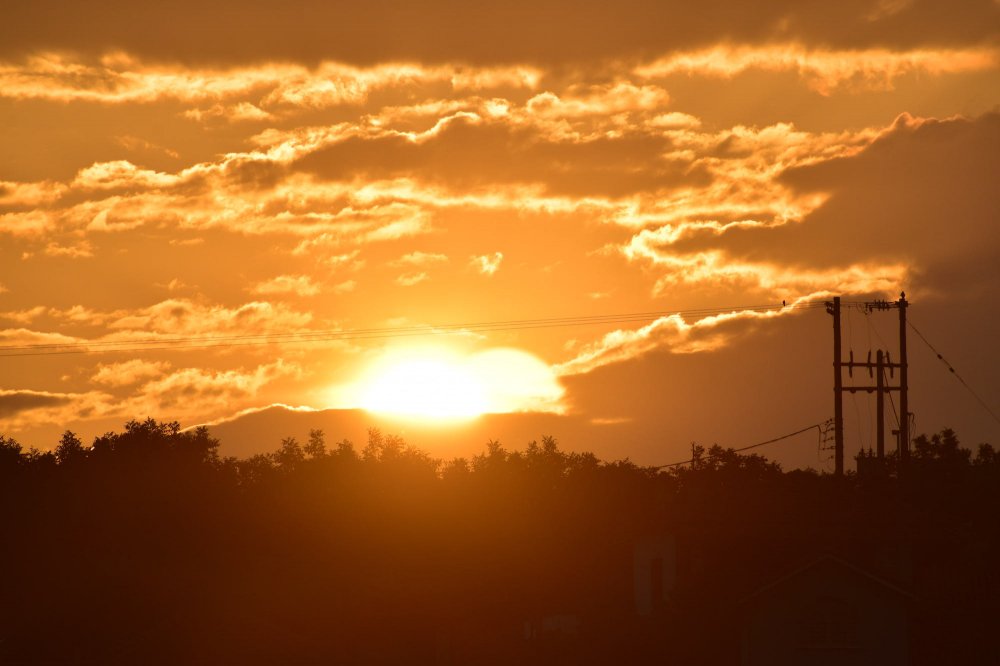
(954, 372)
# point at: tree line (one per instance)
(147, 545)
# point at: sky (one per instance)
(345, 175)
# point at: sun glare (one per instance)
(431, 384)
(434, 388)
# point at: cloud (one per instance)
(301, 285)
(234, 113)
(608, 149)
(182, 393)
(888, 8)
(893, 193)
(411, 279)
(20, 340)
(464, 151)
(192, 392)
(348, 260)
(261, 92)
(672, 332)
(81, 250)
(921, 177)
(181, 316)
(345, 287)
(598, 100)
(823, 70)
(175, 284)
(130, 372)
(121, 174)
(21, 409)
(15, 195)
(487, 264)
(138, 144)
(171, 318)
(420, 259)
(499, 34)
(674, 120)
(120, 78)
(13, 402)
(79, 314)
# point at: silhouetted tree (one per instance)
(10, 454)
(315, 448)
(986, 456)
(70, 449)
(290, 455)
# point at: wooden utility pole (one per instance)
(838, 393)
(880, 409)
(904, 406)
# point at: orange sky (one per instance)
(198, 169)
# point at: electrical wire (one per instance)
(892, 403)
(818, 426)
(200, 342)
(954, 372)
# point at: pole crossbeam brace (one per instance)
(869, 389)
(866, 364)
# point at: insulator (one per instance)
(870, 373)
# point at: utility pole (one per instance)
(838, 392)
(883, 362)
(880, 410)
(904, 407)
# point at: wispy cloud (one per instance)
(129, 372)
(824, 70)
(487, 264)
(411, 279)
(300, 285)
(420, 259)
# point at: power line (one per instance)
(818, 426)
(954, 372)
(236, 340)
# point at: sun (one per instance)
(440, 384)
(437, 388)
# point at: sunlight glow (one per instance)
(440, 385)
(434, 388)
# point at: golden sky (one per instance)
(201, 170)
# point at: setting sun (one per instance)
(425, 387)
(438, 384)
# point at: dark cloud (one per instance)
(521, 30)
(14, 402)
(924, 194)
(471, 154)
